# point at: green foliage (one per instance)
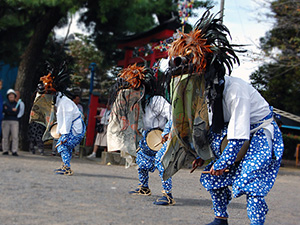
(34, 4)
(84, 52)
(279, 80)
(18, 20)
(112, 19)
(290, 144)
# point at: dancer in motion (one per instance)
(70, 128)
(241, 120)
(141, 112)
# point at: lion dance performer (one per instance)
(52, 103)
(239, 114)
(136, 112)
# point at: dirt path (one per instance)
(30, 193)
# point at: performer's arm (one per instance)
(229, 154)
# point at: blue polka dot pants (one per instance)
(257, 210)
(167, 185)
(149, 164)
(147, 161)
(220, 198)
(256, 206)
(66, 156)
(144, 180)
(143, 177)
(69, 141)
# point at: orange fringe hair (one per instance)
(191, 44)
(48, 82)
(133, 75)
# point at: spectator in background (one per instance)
(10, 123)
(1, 111)
(76, 100)
(20, 104)
(101, 138)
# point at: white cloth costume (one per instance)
(67, 111)
(238, 112)
(157, 113)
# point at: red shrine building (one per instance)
(152, 38)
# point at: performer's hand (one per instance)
(197, 162)
(164, 138)
(216, 172)
(14, 109)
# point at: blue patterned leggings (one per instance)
(66, 157)
(144, 180)
(69, 142)
(256, 205)
(66, 148)
(148, 164)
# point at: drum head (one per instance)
(53, 131)
(242, 151)
(153, 140)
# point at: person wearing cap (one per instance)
(10, 123)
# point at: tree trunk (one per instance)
(26, 78)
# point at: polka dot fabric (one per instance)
(257, 171)
(69, 142)
(149, 160)
(254, 176)
(257, 210)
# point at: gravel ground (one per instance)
(30, 193)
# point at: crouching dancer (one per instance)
(249, 161)
(248, 120)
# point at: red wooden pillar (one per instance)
(90, 131)
(128, 55)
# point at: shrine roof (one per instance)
(160, 32)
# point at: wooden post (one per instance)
(90, 131)
(297, 154)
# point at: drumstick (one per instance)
(157, 144)
(194, 169)
(208, 172)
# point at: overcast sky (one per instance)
(247, 25)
